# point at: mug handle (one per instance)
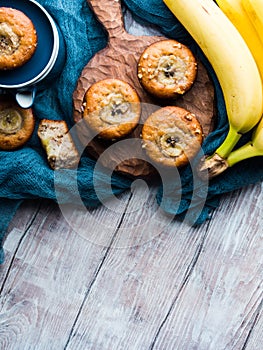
(25, 98)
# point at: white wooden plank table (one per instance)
(183, 289)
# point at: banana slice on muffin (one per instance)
(18, 38)
(16, 125)
(167, 69)
(111, 108)
(172, 136)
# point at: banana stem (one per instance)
(210, 167)
(215, 165)
(229, 143)
(242, 153)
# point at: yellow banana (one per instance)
(236, 13)
(254, 10)
(231, 60)
(252, 149)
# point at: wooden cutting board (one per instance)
(119, 60)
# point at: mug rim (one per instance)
(52, 59)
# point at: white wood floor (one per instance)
(109, 286)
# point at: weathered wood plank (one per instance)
(255, 339)
(51, 273)
(16, 230)
(217, 306)
(138, 288)
(137, 282)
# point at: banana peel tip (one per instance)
(211, 166)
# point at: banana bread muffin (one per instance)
(167, 69)
(111, 108)
(172, 136)
(16, 125)
(18, 38)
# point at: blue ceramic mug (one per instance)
(46, 63)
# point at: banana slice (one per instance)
(116, 110)
(9, 40)
(173, 144)
(171, 71)
(16, 125)
(10, 121)
(172, 136)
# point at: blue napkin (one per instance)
(25, 174)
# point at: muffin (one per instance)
(167, 69)
(172, 136)
(111, 108)
(16, 125)
(18, 38)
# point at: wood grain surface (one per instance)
(119, 60)
(181, 288)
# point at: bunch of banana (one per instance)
(234, 65)
(247, 16)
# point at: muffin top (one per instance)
(172, 136)
(167, 69)
(111, 108)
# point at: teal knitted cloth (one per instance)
(24, 173)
